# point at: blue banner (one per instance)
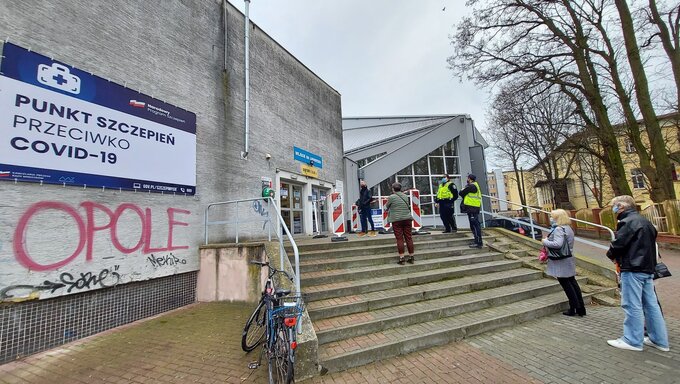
(62, 125)
(308, 158)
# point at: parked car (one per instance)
(522, 229)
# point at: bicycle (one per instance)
(274, 322)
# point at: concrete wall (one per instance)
(174, 51)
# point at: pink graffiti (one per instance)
(86, 229)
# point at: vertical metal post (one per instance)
(531, 221)
(269, 219)
(237, 225)
(205, 225)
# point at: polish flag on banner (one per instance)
(4, 173)
(137, 104)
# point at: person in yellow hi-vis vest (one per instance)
(472, 205)
(446, 196)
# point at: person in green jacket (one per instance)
(399, 214)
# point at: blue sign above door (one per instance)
(307, 157)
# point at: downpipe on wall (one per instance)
(244, 153)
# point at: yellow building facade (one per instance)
(587, 179)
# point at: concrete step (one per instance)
(372, 249)
(349, 326)
(360, 350)
(408, 277)
(333, 263)
(305, 246)
(346, 305)
(376, 271)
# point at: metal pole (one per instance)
(237, 226)
(205, 225)
(531, 221)
(269, 220)
(246, 79)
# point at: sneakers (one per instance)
(361, 234)
(475, 246)
(649, 342)
(371, 233)
(618, 343)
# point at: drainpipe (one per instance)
(244, 154)
(226, 43)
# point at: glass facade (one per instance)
(424, 175)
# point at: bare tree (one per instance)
(536, 123)
(543, 41)
(661, 177)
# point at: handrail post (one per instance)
(481, 203)
(269, 221)
(531, 221)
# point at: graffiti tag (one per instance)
(167, 260)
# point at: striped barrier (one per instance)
(355, 218)
(383, 203)
(415, 209)
(338, 217)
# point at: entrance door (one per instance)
(291, 206)
(320, 195)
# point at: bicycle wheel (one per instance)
(253, 332)
(281, 359)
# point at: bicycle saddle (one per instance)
(281, 292)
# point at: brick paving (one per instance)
(201, 344)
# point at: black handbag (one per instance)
(661, 270)
(562, 252)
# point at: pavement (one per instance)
(201, 344)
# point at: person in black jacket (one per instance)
(445, 198)
(364, 204)
(472, 205)
(634, 251)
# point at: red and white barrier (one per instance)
(415, 209)
(338, 217)
(355, 218)
(385, 224)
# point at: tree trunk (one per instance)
(653, 129)
(667, 40)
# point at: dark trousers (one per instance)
(475, 227)
(402, 232)
(446, 211)
(365, 217)
(573, 292)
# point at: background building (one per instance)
(415, 151)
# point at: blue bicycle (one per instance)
(274, 321)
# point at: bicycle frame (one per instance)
(279, 316)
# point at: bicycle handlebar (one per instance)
(272, 270)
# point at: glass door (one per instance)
(291, 206)
(320, 196)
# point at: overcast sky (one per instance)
(385, 57)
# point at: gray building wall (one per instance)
(172, 50)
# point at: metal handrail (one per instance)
(533, 226)
(281, 224)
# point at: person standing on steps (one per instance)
(634, 251)
(399, 214)
(446, 196)
(472, 205)
(561, 261)
(364, 204)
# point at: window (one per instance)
(638, 178)
(630, 148)
(424, 175)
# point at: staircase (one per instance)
(365, 307)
